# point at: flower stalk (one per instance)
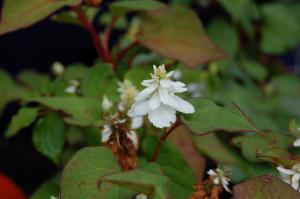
(163, 138)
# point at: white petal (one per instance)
(211, 172)
(131, 112)
(71, 89)
(170, 74)
(181, 105)
(133, 137)
(147, 82)
(178, 89)
(296, 143)
(154, 101)
(144, 94)
(163, 95)
(216, 180)
(164, 116)
(285, 171)
(137, 122)
(141, 108)
(295, 181)
(178, 84)
(106, 133)
(165, 83)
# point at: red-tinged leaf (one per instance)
(264, 187)
(183, 140)
(17, 14)
(177, 33)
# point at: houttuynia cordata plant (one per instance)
(171, 108)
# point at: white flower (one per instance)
(74, 84)
(219, 177)
(53, 197)
(107, 132)
(159, 101)
(296, 142)
(290, 176)
(106, 103)
(141, 196)
(127, 94)
(58, 68)
(195, 89)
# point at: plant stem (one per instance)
(124, 51)
(108, 33)
(163, 139)
(102, 53)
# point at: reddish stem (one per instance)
(102, 53)
(163, 139)
(108, 33)
(124, 51)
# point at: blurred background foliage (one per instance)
(242, 51)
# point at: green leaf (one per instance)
(137, 74)
(9, 90)
(224, 35)
(148, 180)
(99, 81)
(47, 189)
(255, 147)
(82, 173)
(22, 119)
(294, 127)
(121, 8)
(49, 136)
(23, 13)
(242, 11)
(80, 110)
(190, 43)
(210, 117)
(254, 69)
(281, 30)
(173, 165)
(265, 187)
(220, 151)
(35, 81)
(75, 71)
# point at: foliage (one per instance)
(247, 108)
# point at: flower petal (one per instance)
(163, 95)
(295, 181)
(165, 83)
(181, 105)
(144, 94)
(106, 133)
(137, 122)
(296, 143)
(154, 101)
(141, 108)
(147, 82)
(134, 138)
(285, 171)
(163, 116)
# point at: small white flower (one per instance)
(219, 177)
(141, 196)
(74, 84)
(58, 68)
(195, 89)
(127, 94)
(106, 133)
(290, 176)
(296, 142)
(106, 103)
(159, 101)
(177, 74)
(53, 197)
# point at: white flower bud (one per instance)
(58, 68)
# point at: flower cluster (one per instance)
(290, 176)
(219, 177)
(159, 101)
